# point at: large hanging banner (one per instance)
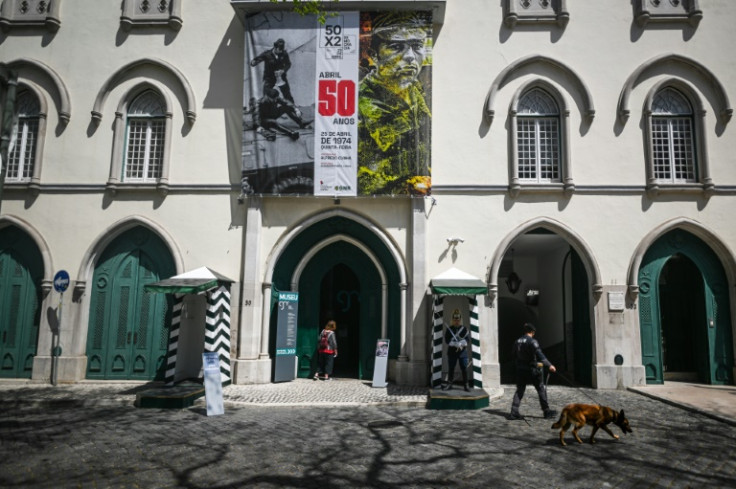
(336, 122)
(337, 109)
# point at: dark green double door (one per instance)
(128, 328)
(342, 283)
(684, 311)
(21, 271)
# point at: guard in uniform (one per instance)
(456, 337)
(529, 361)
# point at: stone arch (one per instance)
(116, 78)
(107, 236)
(289, 235)
(580, 246)
(38, 239)
(393, 258)
(706, 235)
(309, 254)
(723, 108)
(511, 71)
(61, 91)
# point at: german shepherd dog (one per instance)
(595, 415)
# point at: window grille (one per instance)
(22, 157)
(538, 138)
(673, 143)
(145, 138)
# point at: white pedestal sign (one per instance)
(212, 383)
(379, 370)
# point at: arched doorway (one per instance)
(684, 312)
(340, 283)
(128, 328)
(21, 271)
(342, 269)
(553, 293)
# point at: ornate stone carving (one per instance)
(151, 13)
(30, 13)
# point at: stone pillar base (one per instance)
(410, 373)
(252, 371)
(618, 377)
(69, 369)
(491, 375)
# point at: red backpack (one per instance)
(324, 343)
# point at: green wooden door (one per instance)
(21, 270)
(342, 282)
(713, 334)
(582, 334)
(128, 327)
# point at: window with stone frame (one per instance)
(145, 138)
(24, 141)
(535, 12)
(538, 138)
(151, 13)
(30, 13)
(672, 138)
(671, 12)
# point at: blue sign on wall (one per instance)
(61, 281)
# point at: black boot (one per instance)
(465, 381)
(448, 385)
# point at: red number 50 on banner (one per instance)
(336, 97)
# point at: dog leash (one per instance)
(573, 384)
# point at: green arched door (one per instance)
(128, 328)
(21, 271)
(342, 283)
(709, 317)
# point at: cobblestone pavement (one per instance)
(71, 444)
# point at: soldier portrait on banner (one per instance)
(341, 108)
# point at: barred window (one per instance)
(673, 142)
(538, 137)
(22, 155)
(146, 130)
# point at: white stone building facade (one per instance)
(622, 236)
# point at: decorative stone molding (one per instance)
(721, 104)
(118, 76)
(716, 243)
(47, 259)
(667, 11)
(30, 13)
(65, 106)
(151, 13)
(520, 12)
(576, 241)
(538, 61)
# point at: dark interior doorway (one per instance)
(683, 316)
(340, 300)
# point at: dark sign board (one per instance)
(285, 361)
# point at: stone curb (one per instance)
(686, 407)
